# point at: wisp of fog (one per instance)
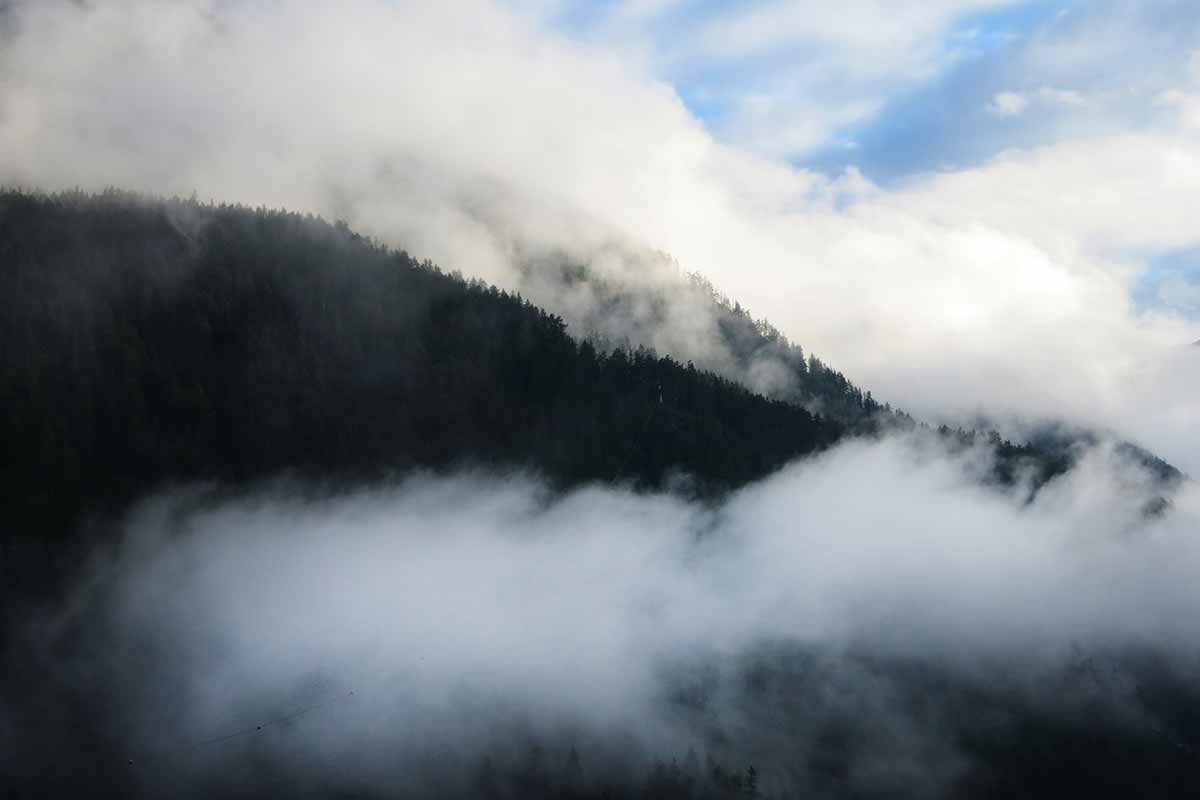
(396, 636)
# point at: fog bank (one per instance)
(391, 638)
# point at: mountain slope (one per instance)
(148, 342)
(654, 304)
(144, 342)
(644, 299)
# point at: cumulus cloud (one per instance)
(1009, 103)
(393, 637)
(781, 79)
(1014, 104)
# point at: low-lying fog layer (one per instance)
(390, 638)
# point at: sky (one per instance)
(967, 206)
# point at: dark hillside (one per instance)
(150, 342)
(144, 342)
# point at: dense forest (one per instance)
(146, 342)
(149, 342)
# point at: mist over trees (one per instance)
(150, 344)
(146, 342)
(645, 299)
(870, 622)
(561, 400)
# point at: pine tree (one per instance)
(750, 784)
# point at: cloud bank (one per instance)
(474, 133)
(393, 638)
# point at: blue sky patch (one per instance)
(945, 123)
(1171, 283)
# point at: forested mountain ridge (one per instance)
(684, 313)
(146, 342)
(646, 300)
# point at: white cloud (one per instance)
(1009, 103)
(1185, 97)
(803, 71)
(900, 37)
(458, 132)
(1186, 105)
(640, 10)
(1017, 103)
(467, 613)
